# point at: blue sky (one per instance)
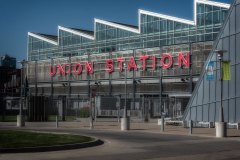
(17, 17)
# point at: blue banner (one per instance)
(210, 74)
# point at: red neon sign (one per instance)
(89, 67)
(120, 60)
(153, 62)
(61, 69)
(182, 59)
(162, 61)
(52, 70)
(77, 68)
(132, 64)
(166, 62)
(109, 64)
(143, 58)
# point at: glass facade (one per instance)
(154, 32)
(38, 49)
(67, 39)
(205, 104)
(162, 89)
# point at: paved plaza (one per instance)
(143, 141)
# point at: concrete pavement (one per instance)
(136, 125)
(143, 141)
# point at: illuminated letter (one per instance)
(132, 64)
(143, 58)
(89, 67)
(182, 59)
(153, 62)
(52, 70)
(77, 68)
(109, 64)
(68, 66)
(120, 60)
(162, 61)
(61, 69)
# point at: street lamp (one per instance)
(92, 95)
(136, 82)
(51, 98)
(125, 123)
(221, 130)
(97, 84)
(20, 117)
(125, 104)
(91, 116)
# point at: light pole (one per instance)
(136, 82)
(91, 111)
(221, 130)
(97, 84)
(93, 95)
(91, 118)
(51, 97)
(125, 104)
(160, 99)
(125, 123)
(20, 117)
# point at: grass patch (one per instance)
(20, 139)
(9, 119)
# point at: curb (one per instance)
(52, 148)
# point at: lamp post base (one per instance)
(20, 121)
(221, 129)
(125, 124)
(91, 124)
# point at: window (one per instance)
(208, 18)
(163, 25)
(200, 8)
(216, 17)
(170, 25)
(143, 18)
(149, 18)
(177, 26)
(150, 27)
(200, 19)
(208, 8)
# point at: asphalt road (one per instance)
(136, 145)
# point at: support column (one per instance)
(125, 122)
(51, 98)
(160, 90)
(36, 93)
(221, 126)
(110, 77)
(69, 87)
(190, 70)
(134, 84)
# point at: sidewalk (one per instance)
(114, 125)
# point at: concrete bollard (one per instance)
(56, 121)
(20, 121)
(163, 123)
(91, 123)
(221, 129)
(125, 124)
(190, 127)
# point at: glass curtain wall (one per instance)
(204, 105)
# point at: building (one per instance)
(8, 61)
(205, 103)
(151, 68)
(10, 80)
